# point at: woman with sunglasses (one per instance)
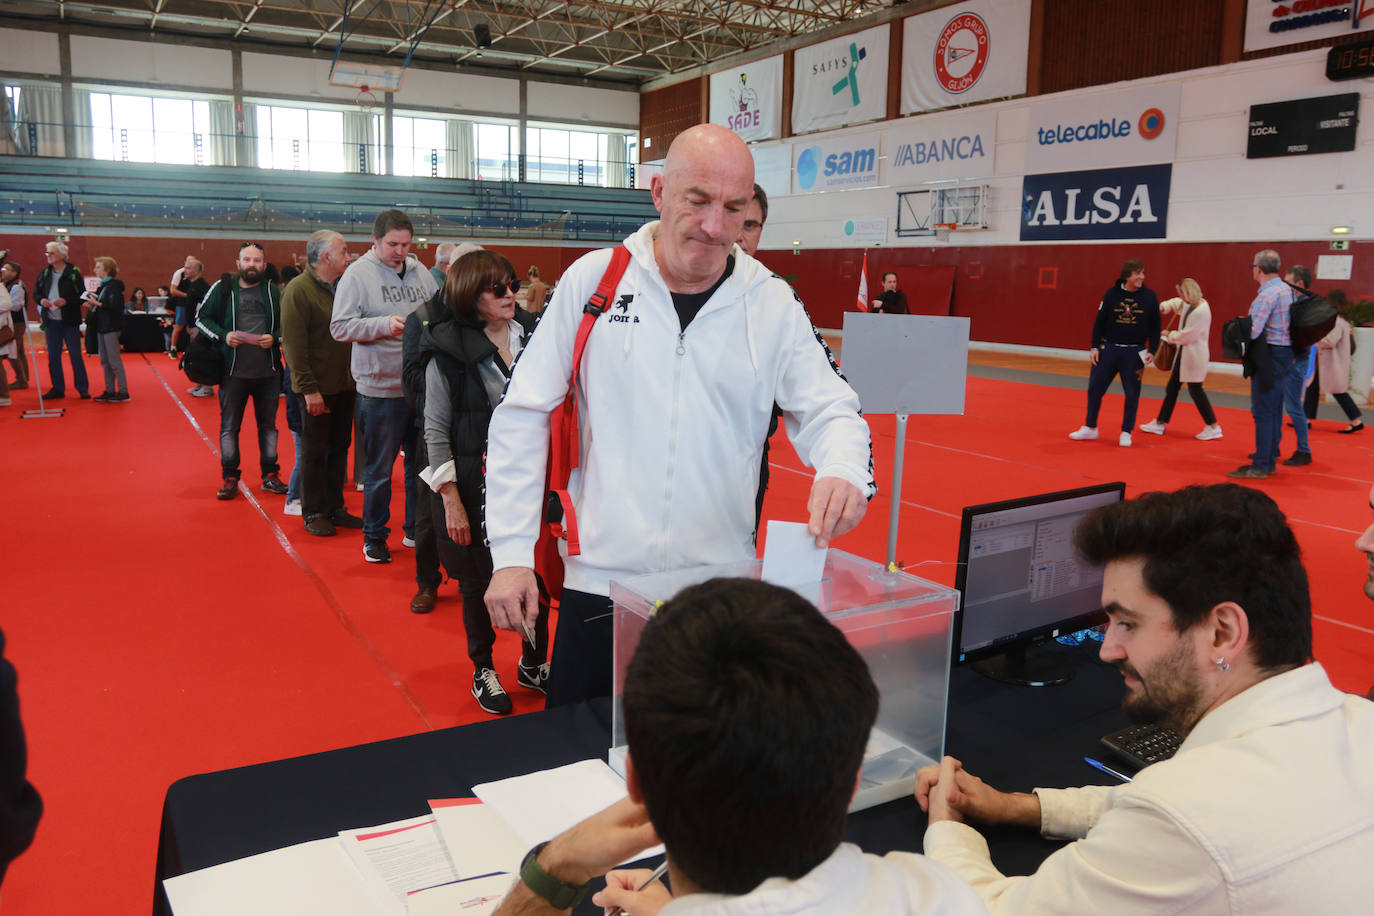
(468, 351)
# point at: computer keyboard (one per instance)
(1143, 745)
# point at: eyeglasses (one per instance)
(499, 289)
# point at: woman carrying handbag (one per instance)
(1190, 363)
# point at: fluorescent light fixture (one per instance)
(1340, 230)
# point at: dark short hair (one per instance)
(1131, 267)
(747, 714)
(887, 273)
(14, 266)
(390, 220)
(1203, 545)
(253, 245)
(1301, 275)
(762, 197)
(1340, 302)
(469, 276)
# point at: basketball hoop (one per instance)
(365, 99)
(942, 230)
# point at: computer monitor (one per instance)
(1020, 582)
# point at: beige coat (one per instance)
(1333, 359)
(1191, 337)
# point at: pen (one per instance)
(1099, 765)
(657, 873)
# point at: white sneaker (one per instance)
(407, 542)
(293, 507)
(360, 486)
(1084, 432)
(1210, 432)
(1124, 441)
(1154, 426)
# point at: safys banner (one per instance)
(841, 81)
(842, 163)
(748, 99)
(965, 53)
(1123, 128)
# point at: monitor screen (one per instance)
(1019, 578)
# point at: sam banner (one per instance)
(841, 81)
(842, 163)
(748, 99)
(964, 53)
(1099, 204)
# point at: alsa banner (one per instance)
(1134, 127)
(1275, 23)
(841, 163)
(748, 99)
(1098, 204)
(964, 53)
(941, 147)
(841, 81)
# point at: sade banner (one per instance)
(748, 99)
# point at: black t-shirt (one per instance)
(252, 361)
(195, 291)
(688, 304)
(893, 302)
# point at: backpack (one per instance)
(203, 362)
(1310, 317)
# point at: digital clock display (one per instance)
(1352, 61)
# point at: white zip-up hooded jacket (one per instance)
(671, 422)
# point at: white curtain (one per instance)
(222, 132)
(42, 105)
(359, 131)
(246, 153)
(617, 151)
(81, 129)
(462, 150)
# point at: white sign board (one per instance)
(841, 81)
(864, 231)
(964, 53)
(1269, 24)
(940, 147)
(1334, 266)
(840, 163)
(1134, 127)
(748, 99)
(906, 363)
(773, 168)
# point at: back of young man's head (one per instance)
(1204, 545)
(746, 714)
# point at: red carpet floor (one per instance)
(159, 632)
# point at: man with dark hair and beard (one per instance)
(243, 315)
(1268, 806)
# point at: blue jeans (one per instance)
(233, 399)
(1267, 408)
(57, 335)
(1292, 400)
(387, 426)
(293, 486)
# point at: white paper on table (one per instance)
(308, 879)
(543, 804)
(469, 897)
(400, 857)
(478, 839)
(790, 555)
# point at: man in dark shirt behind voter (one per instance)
(1125, 335)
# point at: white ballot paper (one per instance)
(400, 857)
(479, 840)
(790, 555)
(543, 804)
(469, 897)
(309, 879)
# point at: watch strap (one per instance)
(562, 896)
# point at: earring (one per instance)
(1222, 665)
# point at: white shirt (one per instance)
(1267, 808)
(849, 882)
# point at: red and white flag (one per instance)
(863, 285)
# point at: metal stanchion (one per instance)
(41, 412)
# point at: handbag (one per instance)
(560, 518)
(1166, 353)
(6, 335)
(203, 362)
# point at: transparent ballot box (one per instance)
(900, 624)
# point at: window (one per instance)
(570, 156)
(419, 146)
(136, 128)
(300, 139)
(495, 153)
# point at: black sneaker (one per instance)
(228, 488)
(119, 397)
(105, 398)
(1298, 459)
(376, 551)
(490, 695)
(320, 526)
(272, 484)
(535, 677)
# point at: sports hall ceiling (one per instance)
(622, 41)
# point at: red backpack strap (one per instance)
(563, 422)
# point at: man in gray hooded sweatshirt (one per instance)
(371, 303)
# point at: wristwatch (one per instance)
(562, 896)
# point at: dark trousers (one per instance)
(1113, 360)
(1204, 406)
(59, 336)
(20, 358)
(1310, 399)
(387, 427)
(233, 399)
(1266, 406)
(471, 566)
(427, 574)
(582, 646)
(323, 460)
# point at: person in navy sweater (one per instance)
(1125, 335)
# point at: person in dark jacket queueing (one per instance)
(468, 352)
(20, 805)
(107, 312)
(1125, 335)
(59, 289)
